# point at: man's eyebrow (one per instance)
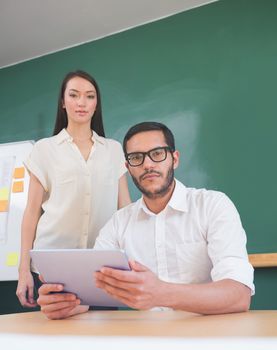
(152, 149)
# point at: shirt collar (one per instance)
(178, 200)
(63, 135)
(97, 138)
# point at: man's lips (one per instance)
(150, 176)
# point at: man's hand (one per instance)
(57, 305)
(139, 288)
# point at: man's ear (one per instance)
(127, 165)
(176, 156)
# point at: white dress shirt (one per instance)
(197, 238)
(80, 195)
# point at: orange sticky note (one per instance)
(18, 186)
(19, 173)
(4, 205)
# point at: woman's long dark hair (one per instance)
(61, 119)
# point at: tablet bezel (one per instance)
(74, 268)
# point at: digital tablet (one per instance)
(74, 268)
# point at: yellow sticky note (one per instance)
(19, 173)
(4, 193)
(12, 259)
(18, 186)
(4, 205)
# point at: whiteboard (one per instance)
(14, 184)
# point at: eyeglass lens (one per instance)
(156, 155)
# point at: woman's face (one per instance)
(80, 100)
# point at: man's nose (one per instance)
(148, 162)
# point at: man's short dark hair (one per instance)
(150, 126)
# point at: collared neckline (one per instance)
(97, 138)
(178, 200)
(63, 135)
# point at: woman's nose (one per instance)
(81, 101)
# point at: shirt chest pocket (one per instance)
(104, 175)
(65, 187)
(193, 262)
(64, 178)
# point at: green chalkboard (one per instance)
(209, 73)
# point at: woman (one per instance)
(77, 180)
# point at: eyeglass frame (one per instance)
(144, 154)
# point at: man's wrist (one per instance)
(166, 292)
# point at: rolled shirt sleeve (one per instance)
(120, 159)
(227, 243)
(37, 164)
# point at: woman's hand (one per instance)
(25, 289)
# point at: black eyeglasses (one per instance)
(157, 155)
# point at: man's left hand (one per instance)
(139, 288)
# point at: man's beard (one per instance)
(160, 192)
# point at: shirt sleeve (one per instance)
(120, 159)
(227, 243)
(35, 164)
(107, 238)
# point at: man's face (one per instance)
(153, 179)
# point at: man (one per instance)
(187, 246)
